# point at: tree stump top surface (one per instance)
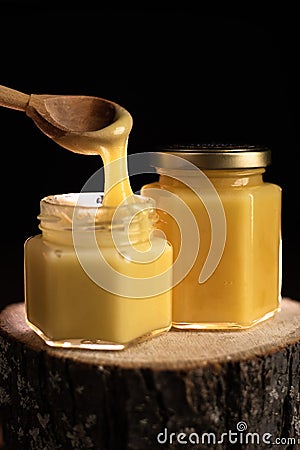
(174, 350)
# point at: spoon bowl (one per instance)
(71, 113)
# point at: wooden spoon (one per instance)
(69, 120)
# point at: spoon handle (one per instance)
(10, 98)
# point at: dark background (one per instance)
(184, 75)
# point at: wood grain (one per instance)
(177, 382)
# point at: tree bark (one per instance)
(183, 389)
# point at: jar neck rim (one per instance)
(211, 173)
(61, 212)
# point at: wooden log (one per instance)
(183, 389)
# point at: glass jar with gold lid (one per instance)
(234, 280)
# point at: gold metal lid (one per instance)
(217, 156)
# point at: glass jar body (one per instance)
(245, 287)
(69, 307)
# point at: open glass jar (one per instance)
(235, 280)
(97, 277)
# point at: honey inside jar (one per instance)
(245, 286)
